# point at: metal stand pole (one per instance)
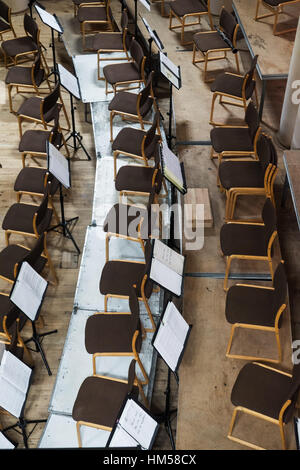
(36, 339)
(166, 416)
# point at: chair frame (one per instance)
(240, 102)
(267, 258)
(278, 421)
(11, 29)
(206, 55)
(83, 24)
(276, 11)
(139, 82)
(162, 7)
(43, 154)
(182, 20)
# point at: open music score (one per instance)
(58, 165)
(48, 19)
(167, 267)
(172, 169)
(69, 81)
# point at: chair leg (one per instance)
(112, 114)
(228, 264)
(230, 339)
(107, 240)
(282, 436)
(78, 434)
(116, 154)
(212, 108)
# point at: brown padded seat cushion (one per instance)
(122, 217)
(111, 333)
(32, 179)
(35, 141)
(184, 7)
(261, 390)
(209, 41)
(22, 75)
(31, 108)
(97, 13)
(136, 178)
(19, 217)
(21, 45)
(250, 305)
(130, 140)
(275, 2)
(227, 138)
(121, 72)
(99, 401)
(127, 102)
(108, 41)
(231, 84)
(241, 174)
(13, 254)
(118, 278)
(240, 239)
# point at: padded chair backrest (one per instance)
(146, 92)
(4, 11)
(41, 212)
(11, 317)
(264, 151)
(36, 65)
(124, 20)
(131, 375)
(205, 3)
(280, 286)
(252, 119)
(269, 219)
(134, 306)
(250, 84)
(228, 23)
(150, 140)
(35, 253)
(31, 27)
(51, 99)
(137, 54)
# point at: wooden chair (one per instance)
(211, 42)
(137, 143)
(126, 74)
(257, 308)
(249, 178)
(249, 240)
(115, 41)
(116, 334)
(238, 88)
(6, 25)
(13, 256)
(133, 106)
(130, 222)
(182, 10)
(28, 78)
(276, 7)
(77, 3)
(118, 277)
(100, 398)
(28, 219)
(266, 393)
(91, 15)
(24, 48)
(42, 110)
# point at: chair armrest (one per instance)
(255, 287)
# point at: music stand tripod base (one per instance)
(77, 138)
(22, 423)
(38, 346)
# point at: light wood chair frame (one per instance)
(279, 422)
(84, 24)
(143, 298)
(267, 258)
(99, 426)
(101, 51)
(162, 7)
(45, 255)
(183, 21)
(127, 84)
(207, 54)
(43, 154)
(275, 329)
(276, 11)
(240, 102)
(11, 28)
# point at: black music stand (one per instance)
(147, 5)
(71, 84)
(53, 22)
(153, 36)
(171, 318)
(59, 166)
(27, 294)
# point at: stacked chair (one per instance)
(92, 16)
(183, 10)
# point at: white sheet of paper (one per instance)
(11, 398)
(169, 64)
(5, 443)
(139, 424)
(59, 166)
(166, 277)
(166, 255)
(48, 19)
(146, 4)
(122, 439)
(28, 291)
(172, 166)
(69, 81)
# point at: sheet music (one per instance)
(14, 381)
(5, 443)
(171, 165)
(146, 4)
(69, 81)
(169, 64)
(166, 277)
(171, 336)
(28, 291)
(169, 257)
(138, 423)
(121, 438)
(58, 165)
(152, 34)
(48, 19)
